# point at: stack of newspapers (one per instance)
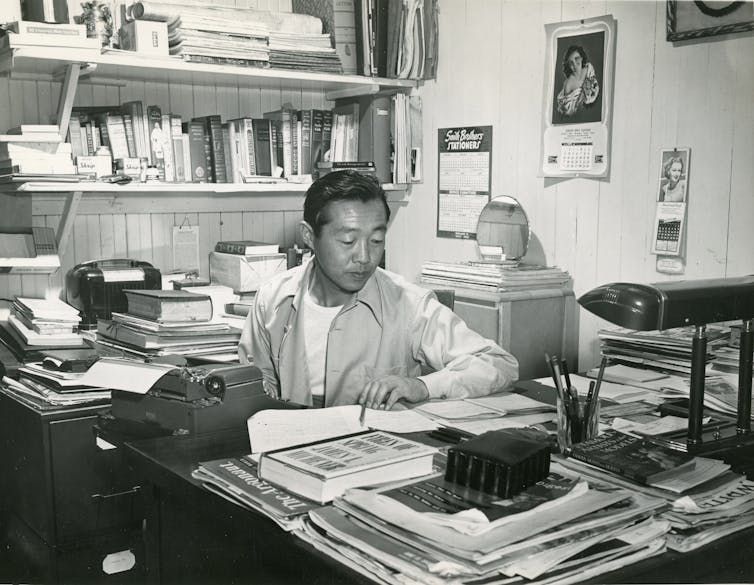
(493, 276)
(667, 351)
(697, 516)
(561, 530)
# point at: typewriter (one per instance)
(199, 399)
(96, 288)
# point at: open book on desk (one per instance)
(278, 429)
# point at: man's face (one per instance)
(348, 248)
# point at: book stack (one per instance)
(168, 322)
(493, 277)
(40, 324)
(244, 36)
(48, 34)
(35, 149)
(430, 530)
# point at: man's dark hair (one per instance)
(343, 185)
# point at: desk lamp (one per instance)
(649, 307)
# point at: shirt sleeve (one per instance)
(254, 347)
(465, 363)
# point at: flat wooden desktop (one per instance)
(195, 536)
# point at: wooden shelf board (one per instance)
(121, 65)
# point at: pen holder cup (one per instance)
(575, 427)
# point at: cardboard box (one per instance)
(244, 273)
(145, 36)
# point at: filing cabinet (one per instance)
(69, 505)
(527, 323)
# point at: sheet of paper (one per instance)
(511, 403)
(456, 409)
(129, 375)
(278, 429)
(477, 427)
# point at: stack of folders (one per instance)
(56, 380)
(168, 322)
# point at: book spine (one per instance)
(262, 146)
(167, 149)
(75, 137)
(230, 248)
(197, 157)
(218, 150)
(276, 129)
(179, 159)
(327, 120)
(305, 162)
(344, 29)
(227, 152)
(156, 140)
(295, 146)
(130, 135)
(248, 143)
(316, 137)
(606, 465)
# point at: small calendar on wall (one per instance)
(464, 165)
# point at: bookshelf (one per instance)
(71, 65)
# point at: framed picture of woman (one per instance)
(577, 109)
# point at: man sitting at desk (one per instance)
(340, 330)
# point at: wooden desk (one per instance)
(193, 535)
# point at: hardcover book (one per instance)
(246, 247)
(634, 458)
(169, 305)
(323, 470)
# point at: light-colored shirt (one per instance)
(390, 327)
(317, 321)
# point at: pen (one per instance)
(362, 416)
(565, 373)
(601, 373)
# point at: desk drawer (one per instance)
(93, 489)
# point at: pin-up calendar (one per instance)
(576, 115)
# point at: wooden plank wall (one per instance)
(491, 71)
(692, 94)
(140, 226)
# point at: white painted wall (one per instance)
(491, 70)
(699, 95)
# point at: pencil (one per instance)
(362, 416)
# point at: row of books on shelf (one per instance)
(286, 143)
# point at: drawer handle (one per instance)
(134, 490)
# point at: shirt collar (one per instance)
(369, 295)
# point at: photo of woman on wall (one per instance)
(578, 90)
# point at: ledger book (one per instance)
(169, 305)
(323, 470)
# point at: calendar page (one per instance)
(668, 229)
(463, 179)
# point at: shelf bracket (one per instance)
(66, 221)
(67, 93)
